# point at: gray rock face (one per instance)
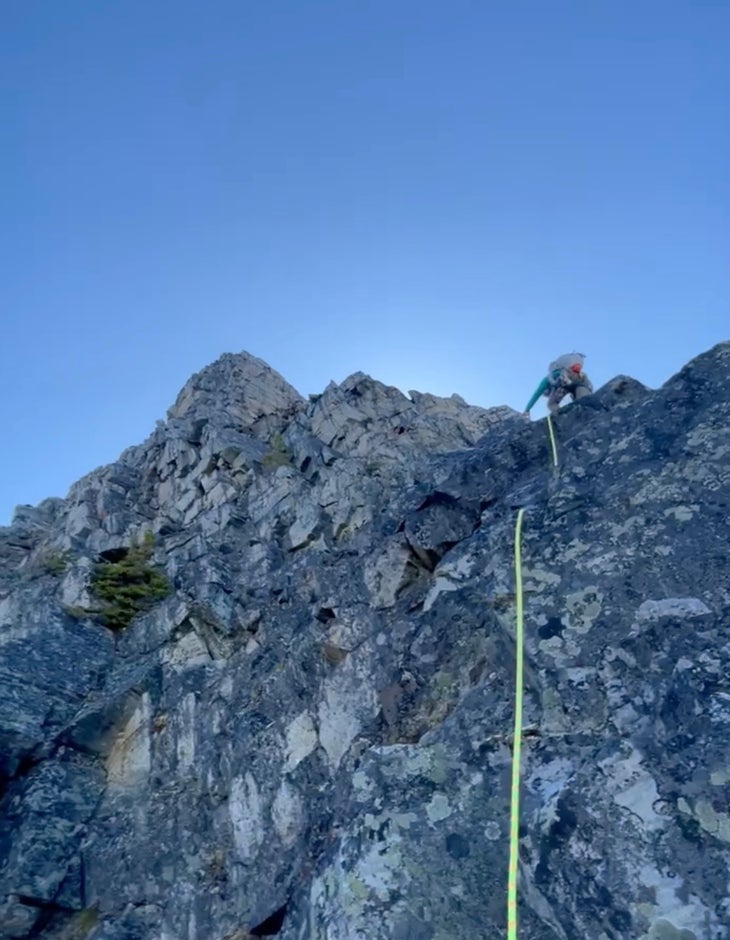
(310, 737)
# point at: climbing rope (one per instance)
(514, 824)
(552, 441)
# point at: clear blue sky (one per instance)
(443, 194)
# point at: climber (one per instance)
(565, 377)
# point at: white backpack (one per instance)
(559, 369)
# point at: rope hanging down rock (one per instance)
(514, 823)
(552, 441)
(516, 745)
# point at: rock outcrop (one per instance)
(310, 736)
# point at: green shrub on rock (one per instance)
(129, 585)
(56, 563)
(49, 561)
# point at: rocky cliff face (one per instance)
(309, 737)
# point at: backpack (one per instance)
(559, 369)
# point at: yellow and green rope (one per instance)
(514, 826)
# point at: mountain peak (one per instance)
(244, 386)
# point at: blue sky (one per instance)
(444, 195)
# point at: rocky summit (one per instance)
(257, 676)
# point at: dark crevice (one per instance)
(272, 925)
(31, 902)
(431, 559)
(325, 614)
(438, 498)
(418, 566)
(114, 555)
(25, 764)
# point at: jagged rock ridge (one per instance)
(309, 737)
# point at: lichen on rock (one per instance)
(308, 734)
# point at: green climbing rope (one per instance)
(552, 441)
(514, 826)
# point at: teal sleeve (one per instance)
(537, 393)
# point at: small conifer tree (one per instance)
(129, 586)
